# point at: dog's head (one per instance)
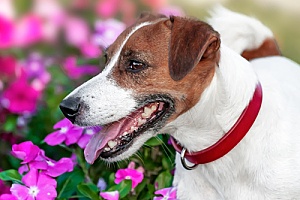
(156, 70)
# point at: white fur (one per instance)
(103, 96)
(266, 163)
(107, 101)
(239, 32)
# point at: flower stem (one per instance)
(83, 165)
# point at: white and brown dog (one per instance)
(238, 121)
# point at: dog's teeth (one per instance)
(154, 107)
(133, 128)
(125, 133)
(147, 112)
(112, 144)
(106, 149)
(141, 121)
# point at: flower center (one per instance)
(64, 129)
(50, 163)
(89, 132)
(127, 177)
(33, 191)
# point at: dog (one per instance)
(234, 122)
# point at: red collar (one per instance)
(230, 139)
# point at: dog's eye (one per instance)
(135, 66)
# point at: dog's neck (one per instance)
(220, 105)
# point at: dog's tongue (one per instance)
(99, 140)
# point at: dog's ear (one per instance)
(191, 41)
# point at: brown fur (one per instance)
(151, 45)
(268, 48)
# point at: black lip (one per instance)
(155, 124)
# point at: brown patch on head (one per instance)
(176, 57)
(268, 48)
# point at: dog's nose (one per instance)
(70, 108)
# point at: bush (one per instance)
(47, 48)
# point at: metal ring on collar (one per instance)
(183, 161)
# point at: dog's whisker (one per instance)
(166, 149)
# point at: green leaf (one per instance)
(89, 190)
(139, 188)
(11, 175)
(152, 142)
(67, 183)
(164, 179)
(10, 124)
(124, 188)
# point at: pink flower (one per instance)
(74, 71)
(107, 32)
(38, 186)
(25, 151)
(90, 50)
(114, 195)
(8, 66)
(166, 194)
(67, 133)
(107, 8)
(8, 197)
(76, 31)
(20, 97)
(86, 136)
(135, 175)
(28, 30)
(51, 167)
(6, 32)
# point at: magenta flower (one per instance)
(135, 175)
(7, 66)
(166, 194)
(76, 31)
(51, 167)
(74, 71)
(8, 197)
(25, 151)
(90, 50)
(86, 136)
(28, 30)
(6, 32)
(114, 195)
(107, 8)
(20, 97)
(107, 32)
(37, 186)
(67, 133)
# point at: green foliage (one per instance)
(10, 175)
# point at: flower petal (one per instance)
(114, 195)
(19, 191)
(31, 178)
(8, 197)
(73, 135)
(60, 167)
(62, 123)
(55, 138)
(25, 151)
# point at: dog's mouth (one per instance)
(116, 137)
